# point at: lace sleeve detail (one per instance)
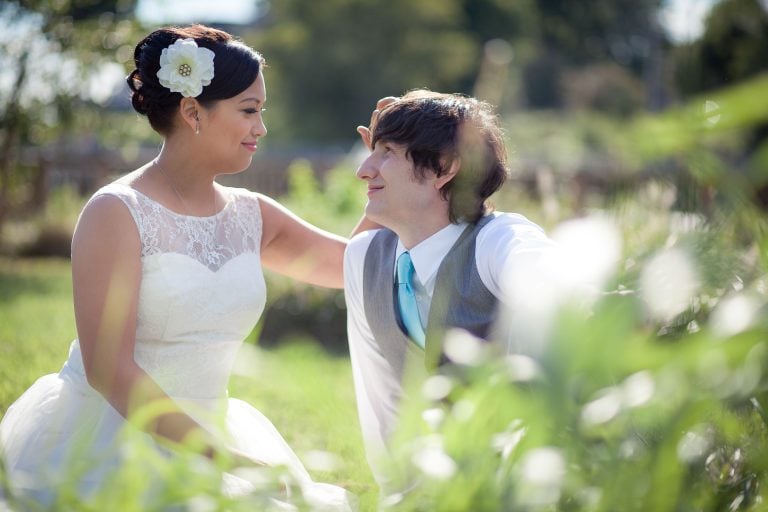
(247, 220)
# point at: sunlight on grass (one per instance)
(309, 397)
(37, 322)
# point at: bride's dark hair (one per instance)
(236, 66)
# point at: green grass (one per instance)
(307, 393)
(36, 322)
(309, 396)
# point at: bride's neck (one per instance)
(185, 171)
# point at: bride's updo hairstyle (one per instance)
(236, 66)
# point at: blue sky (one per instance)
(682, 18)
(187, 11)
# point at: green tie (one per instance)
(406, 300)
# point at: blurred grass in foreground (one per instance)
(641, 379)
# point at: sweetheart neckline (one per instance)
(200, 263)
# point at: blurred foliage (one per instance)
(336, 59)
(52, 229)
(334, 203)
(47, 232)
(732, 48)
(618, 30)
(608, 418)
(650, 394)
(51, 56)
(606, 87)
(391, 47)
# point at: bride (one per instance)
(167, 280)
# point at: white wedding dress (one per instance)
(202, 291)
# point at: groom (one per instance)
(439, 261)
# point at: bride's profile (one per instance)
(167, 282)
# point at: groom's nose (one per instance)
(367, 169)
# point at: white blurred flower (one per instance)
(541, 474)
(590, 248)
(668, 283)
(573, 270)
(463, 410)
(436, 387)
(433, 417)
(630, 448)
(432, 460)
(602, 409)
(638, 389)
(734, 314)
(185, 67)
(695, 444)
(461, 347)
(522, 368)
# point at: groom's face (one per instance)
(396, 196)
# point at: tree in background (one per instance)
(609, 37)
(336, 58)
(50, 54)
(732, 49)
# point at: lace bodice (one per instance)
(212, 241)
(202, 290)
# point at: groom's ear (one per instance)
(441, 181)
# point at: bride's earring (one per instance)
(197, 125)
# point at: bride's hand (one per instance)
(365, 131)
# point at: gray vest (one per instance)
(460, 298)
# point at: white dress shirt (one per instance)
(507, 240)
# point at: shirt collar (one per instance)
(429, 253)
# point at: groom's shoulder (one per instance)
(511, 225)
(358, 245)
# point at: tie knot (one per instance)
(404, 268)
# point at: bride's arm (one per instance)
(106, 273)
(295, 248)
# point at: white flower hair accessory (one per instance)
(186, 68)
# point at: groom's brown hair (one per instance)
(438, 130)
